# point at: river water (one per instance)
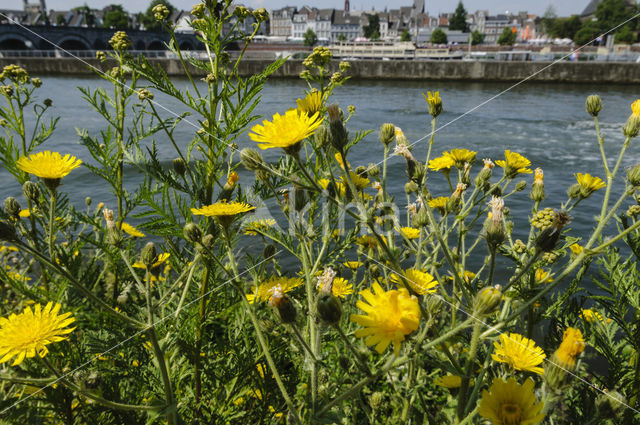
(545, 122)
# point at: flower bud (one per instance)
(329, 308)
(487, 300)
(547, 239)
(269, 252)
(88, 201)
(323, 136)
(421, 218)
(339, 135)
(101, 56)
(192, 232)
(537, 190)
(12, 207)
(521, 185)
(37, 82)
(251, 159)
(286, 309)
(47, 102)
(300, 199)
(148, 255)
(494, 234)
(261, 14)
(208, 240)
(574, 191)
(410, 187)
(373, 170)
(179, 166)
(633, 175)
(632, 126)
(387, 133)
(594, 105)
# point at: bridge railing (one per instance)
(163, 54)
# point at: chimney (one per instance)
(346, 5)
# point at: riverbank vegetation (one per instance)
(315, 292)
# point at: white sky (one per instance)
(562, 8)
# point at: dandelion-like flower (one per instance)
(542, 276)
(439, 203)
(514, 164)
(390, 316)
(589, 184)
(253, 227)
(592, 315)
(285, 131)
(570, 348)
(421, 282)
(461, 156)
(264, 291)
(434, 102)
(48, 165)
(340, 287)
(575, 249)
(27, 334)
(224, 211)
(311, 103)
(635, 107)
(353, 265)
(132, 231)
(409, 232)
(162, 258)
(448, 381)
(519, 352)
(509, 403)
(442, 163)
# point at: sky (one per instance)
(562, 7)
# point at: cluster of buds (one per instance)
(145, 94)
(15, 73)
(12, 207)
(6, 90)
(120, 41)
(199, 10)
(114, 236)
(160, 12)
(261, 14)
(344, 66)
(37, 82)
(241, 13)
(319, 58)
(101, 56)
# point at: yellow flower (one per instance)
(258, 225)
(277, 415)
(570, 348)
(353, 265)
(519, 352)
(130, 230)
(340, 287)
(162, 258)
(409, 232)
(369, 241)
(460, 156)
(390, 316)
(442, 163)
(286, 131)
(27, 334)
(25, 213)
(223, 208)
(421, 282)
(515, 164)
(538, 176)
(542, 276)
(588, 184)
(135, 363)
(434, 102)
(311, 103)
(635, 107)
(575, 249)
(16, 276)
(264, 291)
(48, 165)
(261, 369)
(509, 403)
(439, 203)
(592, 315)
(8, 248)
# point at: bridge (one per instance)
(16, 37)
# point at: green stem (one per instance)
(202, 312)
(601, 145)
(356, 355)
(172, 415)
(464, 387)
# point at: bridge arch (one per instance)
(156, 44)
(74, 42)
(16, 41)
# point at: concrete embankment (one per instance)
(566, 72)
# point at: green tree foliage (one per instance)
(477, 37)
(548, 19)
(625, 35)
(507, 38)
(458, 21)
(309, 38)
(565, 27)
(342, 37)
(60, 21)
(373, 28)
(438, 36)
(405, 36)
(150, 23)
(588, 32)
(116, 18)
(611, 13)
(88, 17)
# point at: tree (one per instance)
(116, 18)
(60, 20)
(405, 36)
(373, 27)
(342, 37)
(438, 36)
(507, 38)
(458, 21)
(477, 37)
(625, 35)
(588, 32)
(548, 19)
(309, 38)
(611, 13)
(565, 27)
(150, 23)
(88, 17)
